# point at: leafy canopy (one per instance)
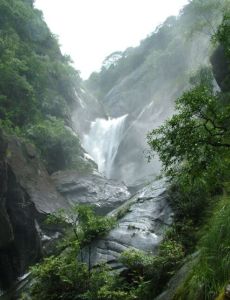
(66, 276)
(59, 146)
(197, 137)
(36, 79)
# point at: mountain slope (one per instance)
(145, 81)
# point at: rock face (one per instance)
(91, 189)
(27, 194)
(6, 232)
(87, 108)
(147, 95)
(220, 65)
(149, 100)
(142, 222)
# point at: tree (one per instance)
(204, 16)
(112, 59)
(195, 142)
(67, 277)
(85, 226)
(223, 33)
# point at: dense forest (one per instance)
(40, 90)
(38, 85)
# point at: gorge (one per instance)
(67, 145)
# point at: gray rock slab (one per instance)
(27, 195)
(32, 176)
(92, 189)
(143, 220)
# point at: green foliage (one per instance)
(137, 261)
(36, 79)
(184, 232)
(85, 224)
(92, 225)
(149, 51)
(65, 276)
(38, 86)
(197, 136)
(123, 210)
(163, 55)
(212, 271)
(221, 57)
(223, 33)
(59, 147)
(60, 277)
(203, 16)
(17, 97)
(193, 146)
(124, 64)
(150, 272)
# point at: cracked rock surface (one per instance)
(141, 225)
(94, 189)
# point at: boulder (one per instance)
(142, 221)
(91, 189)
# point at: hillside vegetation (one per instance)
(38, 86)
(165, 52)
(145, 81)
(38, 91)
(194, 148)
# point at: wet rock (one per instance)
(220, 66)
(93, 189)
(141, 225)
(87, 108)
(32, 176)
(6, 233)
(148, 96)
(27, 195)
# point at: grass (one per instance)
(212, 272)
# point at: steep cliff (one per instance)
(27, 196)
(144, 82)
(39, 89)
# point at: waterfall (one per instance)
(103, 141)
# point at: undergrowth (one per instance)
(212, 271)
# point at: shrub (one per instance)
(212, 271)
(59, 147)
(150, 273)
(65, 276)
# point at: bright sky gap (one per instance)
(89, 30)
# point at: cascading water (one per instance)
(103, 141)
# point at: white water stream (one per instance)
(103, 141)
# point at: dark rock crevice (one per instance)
(221, 68)
(27, 195)
(25, 248)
